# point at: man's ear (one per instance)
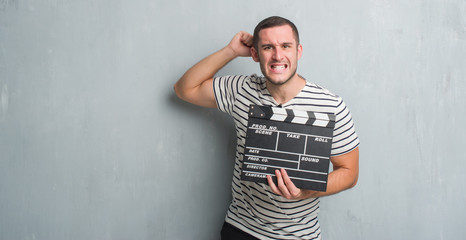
(300, 51)
(254, 54)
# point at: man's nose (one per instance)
(277, 54)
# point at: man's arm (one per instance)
(344, 176)
(195, 86)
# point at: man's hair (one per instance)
(273, 21)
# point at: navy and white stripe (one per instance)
(255, 209)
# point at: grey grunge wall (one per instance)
(94, 144)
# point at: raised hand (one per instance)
(241, 44)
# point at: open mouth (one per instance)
(278, 67)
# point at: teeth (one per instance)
(279, 67)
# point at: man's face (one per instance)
(278, 54)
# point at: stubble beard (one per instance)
(275, 83)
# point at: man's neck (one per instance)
(285, 92)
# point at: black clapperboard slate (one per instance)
(298, 141)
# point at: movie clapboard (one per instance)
(298, 141)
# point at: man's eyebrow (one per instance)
(270, 44)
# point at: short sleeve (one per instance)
(345, 138)
(226, 90)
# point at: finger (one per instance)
(287, 179)
(293, 190)
(281, 185)
(272, 185)
(249, 40)
(246, 38)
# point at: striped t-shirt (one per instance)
(255, 209)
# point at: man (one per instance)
(278, 210)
